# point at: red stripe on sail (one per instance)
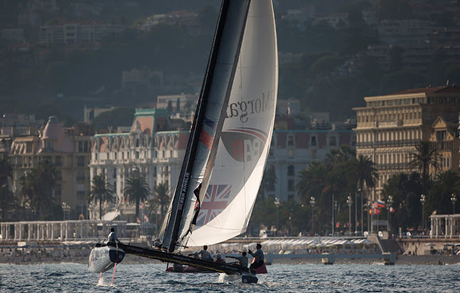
(207, 139)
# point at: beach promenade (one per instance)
(299, 250)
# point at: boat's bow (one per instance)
(103, 258)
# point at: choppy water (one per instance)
(281, 278)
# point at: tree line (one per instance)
(342, 175)
(37, 199)
(329, 183)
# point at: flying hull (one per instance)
(103, 258)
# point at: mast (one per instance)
(211, 112)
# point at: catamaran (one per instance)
(229, 140)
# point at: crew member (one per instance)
(113, 236)
(243, 260)
(219, 259)
(258, 257)
(205, 255)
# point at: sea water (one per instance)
(281, 278)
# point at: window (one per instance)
(332, 141)
(291, 185)
(290, 141)
(80, 161)
(80, 195)
(58, 161)
(291, 170)
(313, 141)
(291, 154)
(80, 175)
(49, 145)
(440, 135)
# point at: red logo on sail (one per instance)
(245, 144)
(215, 201)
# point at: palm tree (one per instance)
(406, 190)
(161, 197)
(7, 200)
(366, 172)
(312, 181)
(101, 191)
(37, 186)
(439, 196)
(6, 171)
(268, 181)
(136, 190)
(6, 197)
(425, 156)
(344, 154)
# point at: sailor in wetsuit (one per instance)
(113, 236)
(258, 257)
(205, 255)
(243, 259)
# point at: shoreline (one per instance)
(80, 256)
(400, 260)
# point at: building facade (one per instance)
(69, 151)
(389, 127)
(151, 148)
(292, 151)
(156, 148)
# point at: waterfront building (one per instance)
(294, 148)
(152, 148)
(389, 127)
(155, 147)
(67, 149)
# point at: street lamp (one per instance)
(336, 204)
(65, 208)
(390, 202)
(368, 216)
(454, 200)
(312, 202)
(334, 208)
(362, 211)
(349, 202)
(290, 225)
(277, 204)
(356, 213)
(422, 200)
(146, 207)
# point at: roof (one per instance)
(430, 90)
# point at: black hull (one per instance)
(183, 260)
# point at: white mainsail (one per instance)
(207, 125)
(246, 134)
